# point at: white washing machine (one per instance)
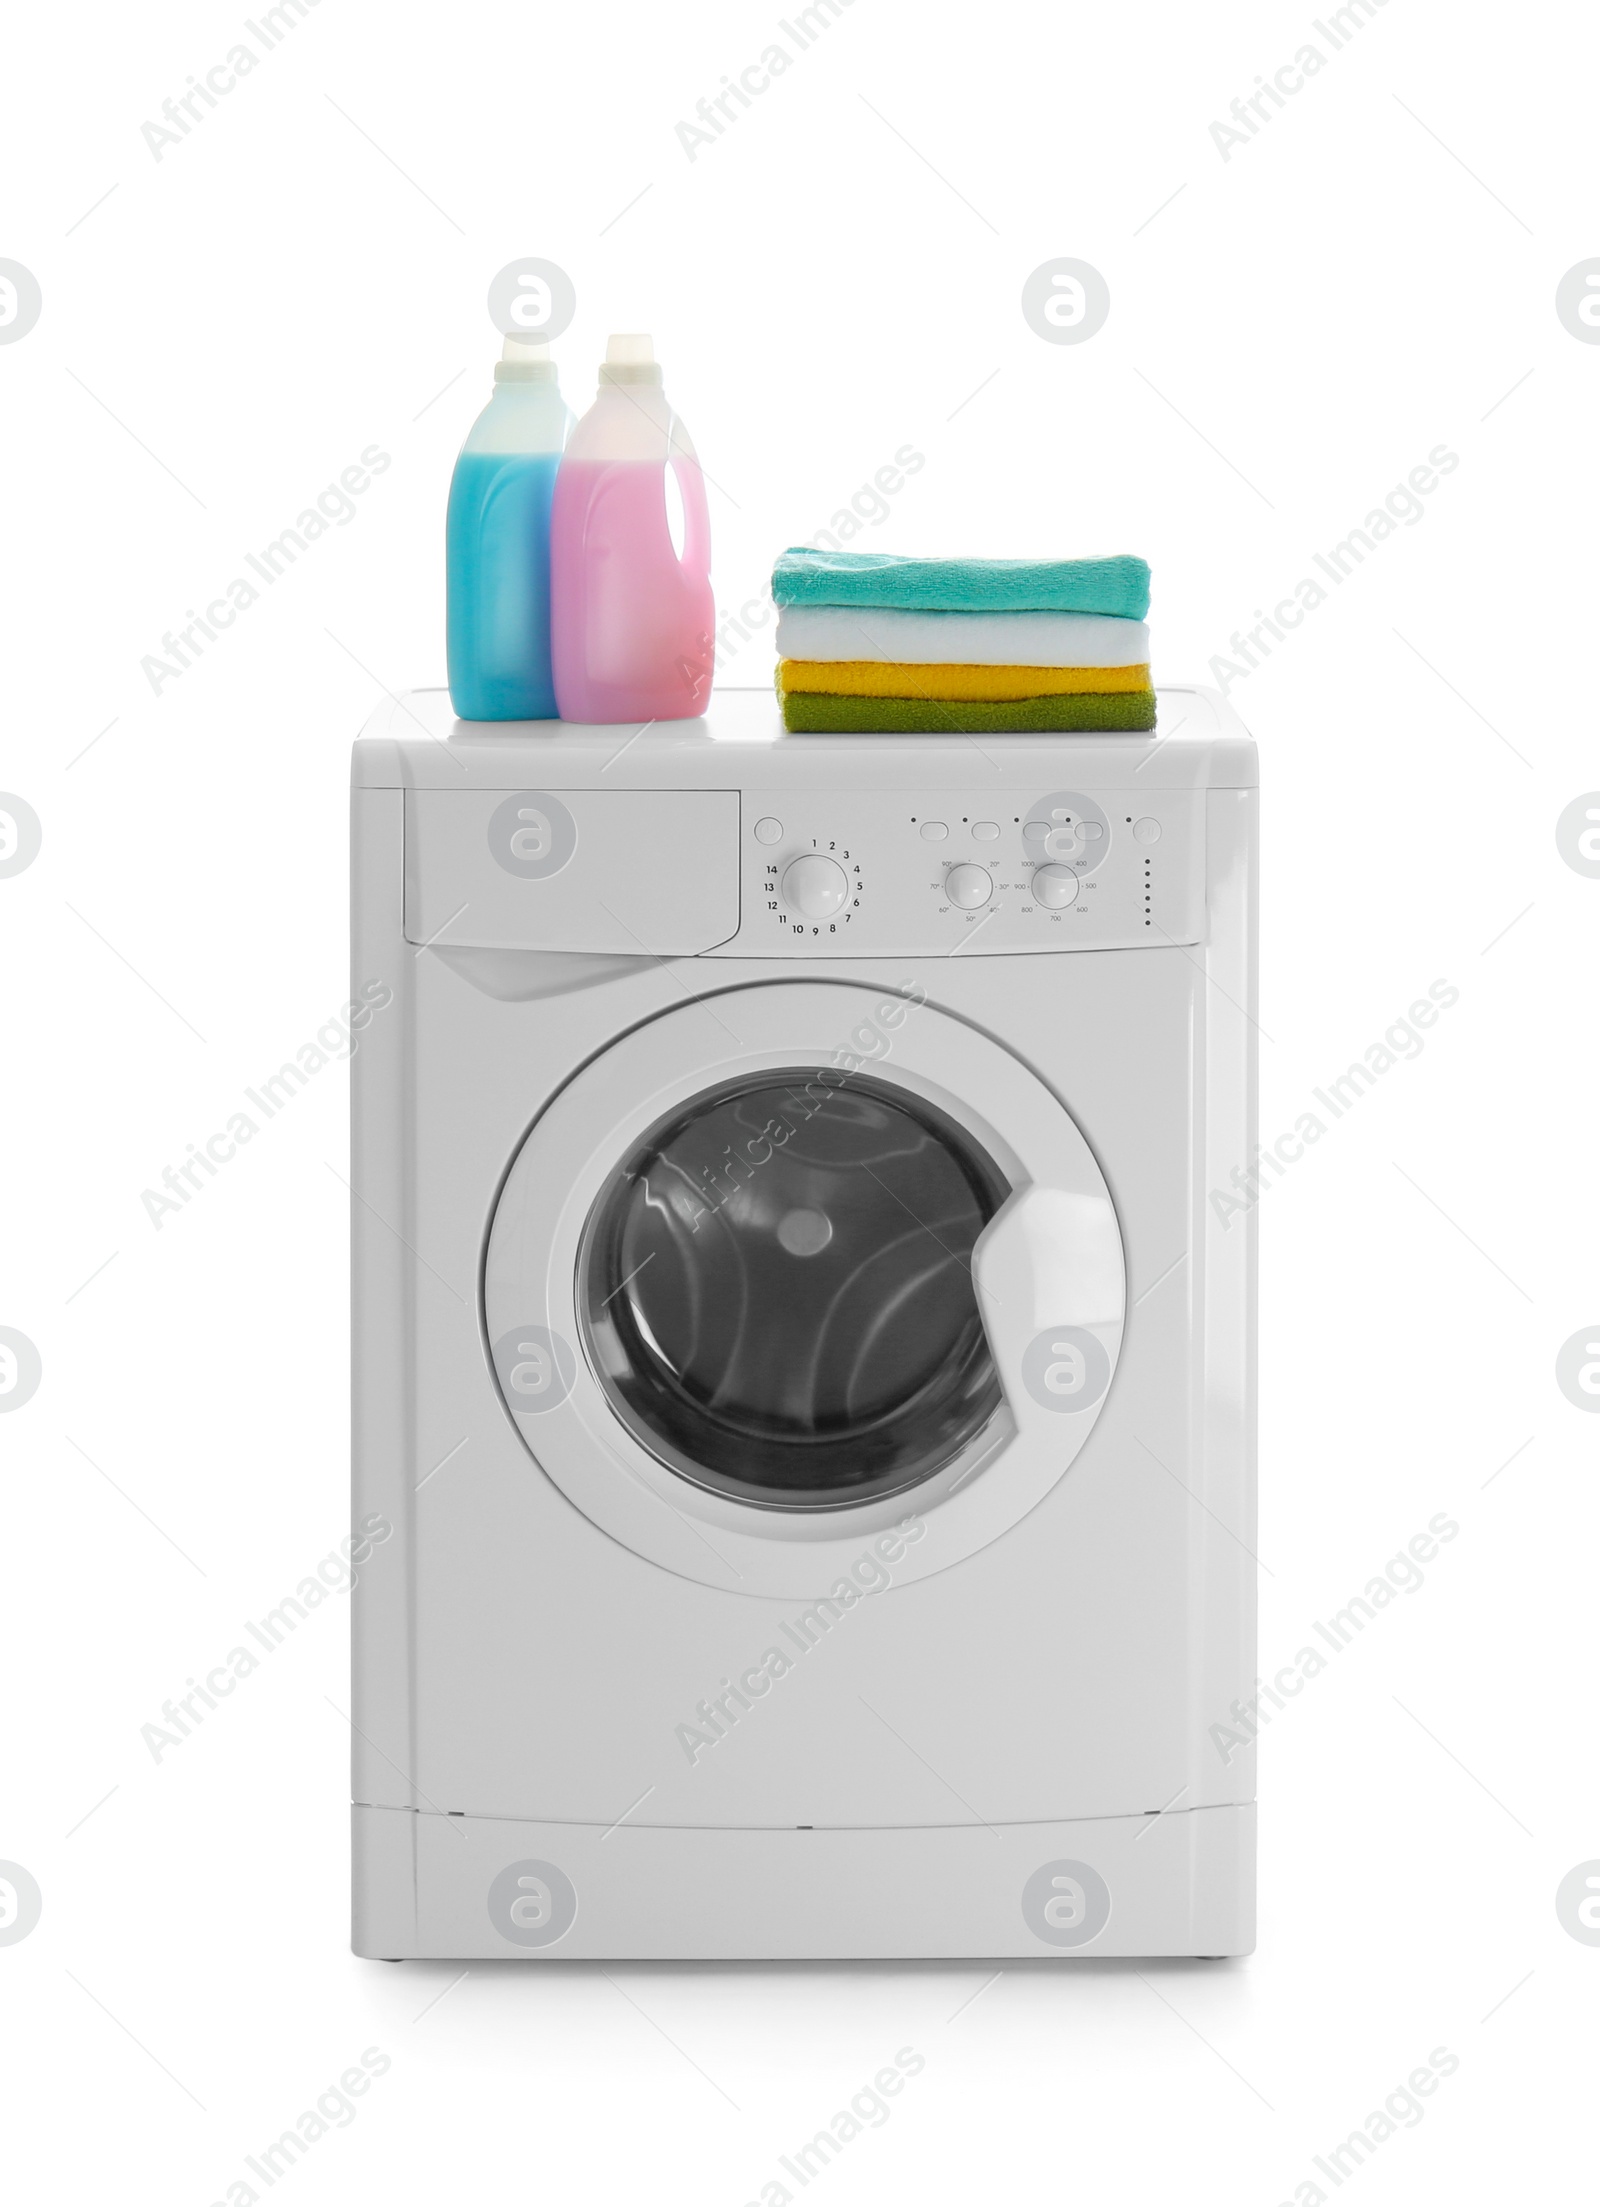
(806, 1382)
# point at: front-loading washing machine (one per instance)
(803, 1338)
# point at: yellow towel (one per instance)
(887, 678)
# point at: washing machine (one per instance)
(803, 1339)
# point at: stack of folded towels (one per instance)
(870, 642)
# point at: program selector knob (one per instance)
(814, 886)
(1055, 887)
(968, 886)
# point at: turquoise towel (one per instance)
(1120, 585)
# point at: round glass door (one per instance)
(776, 1289)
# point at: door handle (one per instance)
(1051, 1284)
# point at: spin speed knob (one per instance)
(1055, 887)
(815, 886)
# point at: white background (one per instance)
(1368, 277)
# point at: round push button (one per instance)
(1147, 831)
(986, 831)
(933, 831)
(769, 830)
(1055, 887)
(968, 886)
(815, 886)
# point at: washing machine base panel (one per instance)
(447, 1888)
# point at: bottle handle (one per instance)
(696, 514)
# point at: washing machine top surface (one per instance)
(415, 741)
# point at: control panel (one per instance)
(865, 873)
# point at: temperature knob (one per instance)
(1054, 887)
(968, 886)
(814, 886)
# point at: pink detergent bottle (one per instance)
(631, 617)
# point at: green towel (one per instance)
(808, 712)
(1120, 585)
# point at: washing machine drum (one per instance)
(777, 1292)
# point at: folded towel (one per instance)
(806, 712)
(964, 639)
(883, 678)
(1120, 585)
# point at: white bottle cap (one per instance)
(630, 358)
(523, 361)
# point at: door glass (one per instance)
(777, 1289)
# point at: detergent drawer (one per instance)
(602, 870)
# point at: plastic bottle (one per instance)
(497, 544)
(631, 619)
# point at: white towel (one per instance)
(962, 639)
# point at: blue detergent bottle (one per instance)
(497, 544)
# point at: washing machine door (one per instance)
(775, 1288)
(797, 1268)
